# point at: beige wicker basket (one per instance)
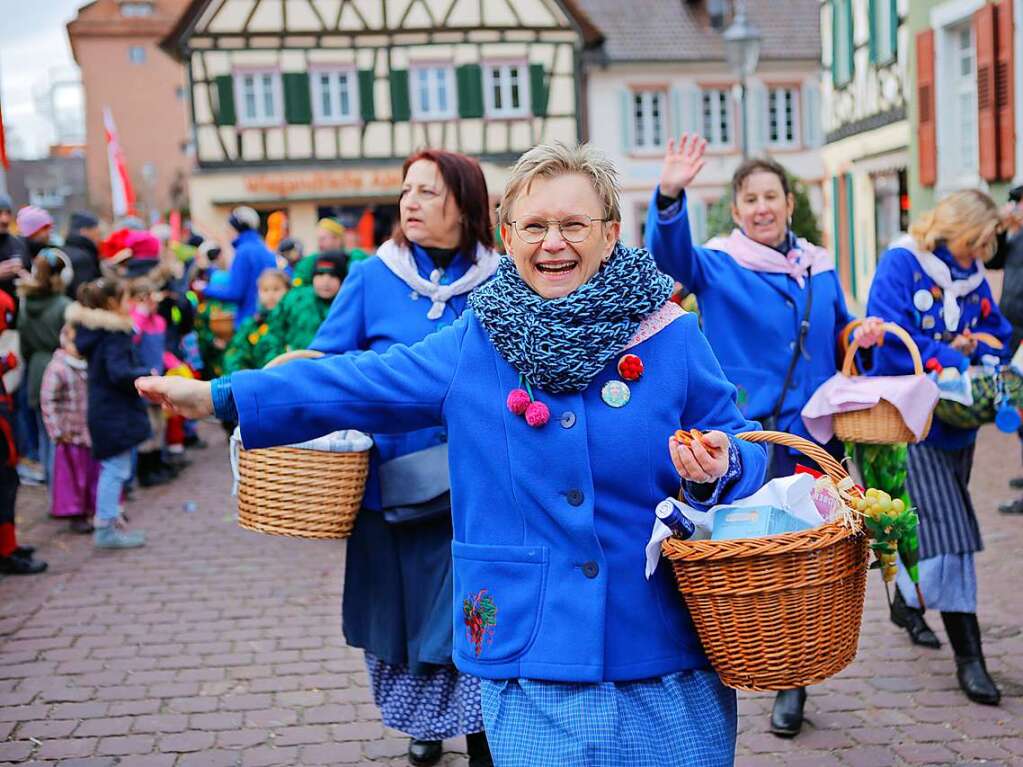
(300, 493)
(782, 611)
(222, 325)
(881, 424)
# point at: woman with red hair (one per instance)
(398, 587)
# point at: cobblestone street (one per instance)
(215, 646)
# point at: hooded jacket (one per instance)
(116, 414)
(84, 257)
(40, 318)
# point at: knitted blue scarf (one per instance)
(560, 344)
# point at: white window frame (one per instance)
(262, 119)
(775, 110)
(136, 8)
(649, 131)
(722, 107)
(336, 116)
(431, 110)
(944, 19)
(501, 70)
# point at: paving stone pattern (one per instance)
(214, 646)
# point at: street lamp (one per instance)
(742, 49)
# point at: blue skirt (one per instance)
(688, 718)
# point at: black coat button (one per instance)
(574, 497)
(590, 569)
(567, 419)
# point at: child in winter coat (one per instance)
(64, 402)
(14, 559)
(117, 417)
(249, 349)
(293, 324)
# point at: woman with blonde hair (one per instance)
(932, 283)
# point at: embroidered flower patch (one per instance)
(480, 619)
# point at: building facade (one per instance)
(312, 107)
(116, 45)
(865, 85)
(661, 70)
(968, 77)
(56, 183)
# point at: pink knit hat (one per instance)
(31, 219)
(143, 245)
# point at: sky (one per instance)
(34, 51)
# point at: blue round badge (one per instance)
(615, 393)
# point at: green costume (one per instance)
(212, 356)
(294, 321)
(302, 272)
(252, 346)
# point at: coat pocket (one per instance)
(498, 599)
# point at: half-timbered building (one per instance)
(310, 106)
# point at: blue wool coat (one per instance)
(251, 258)
(897, 279)
(550, 523)
(375, 310)
(752, 319)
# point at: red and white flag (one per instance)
(4, 162)
(121, 192)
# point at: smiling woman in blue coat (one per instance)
(559, 452)
(396, 603)
(932, 283)
(771, 303)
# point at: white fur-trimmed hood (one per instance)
(97, 319)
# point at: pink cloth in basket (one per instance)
(913, 396)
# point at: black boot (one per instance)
(149, 471)
(423, 753)
(971, 671)
(912, 619)
(13, 565)
(787, 715)
(479, 750)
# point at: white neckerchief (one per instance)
(401, 261)
(938, 271)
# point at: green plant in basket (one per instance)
(893, 527)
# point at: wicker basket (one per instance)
(881, 424)
(222, 325)
(300, 493)
(782, 611)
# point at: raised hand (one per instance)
(682, 163)
(702, 460)
(182, 396)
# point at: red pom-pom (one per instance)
(537, 414)
(10, 362)
(985, 307)
(518, 401)
(630, 367)
(933, 365)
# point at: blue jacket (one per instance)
(251, 258)
(374, 311)
(752, 319)
(550, 523)
(117, 415)
(897, 279)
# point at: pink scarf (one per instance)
(760, 258)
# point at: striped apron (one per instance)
(937, 481)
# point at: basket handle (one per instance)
(815, 452)
(987, 338)
(889, 327)
(297, 354)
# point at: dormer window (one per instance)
(136, 8)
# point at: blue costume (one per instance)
(251, 258)
(752, 319)
(398, 577)
(549, 523)
(938, 469)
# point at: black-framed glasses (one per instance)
(572, 228)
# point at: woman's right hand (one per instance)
(682, 163)
(182, 396)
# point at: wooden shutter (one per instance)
(367, 108)
(811, 113)
(987, 112)
(469, 81)
(1005, 90)
(538, 90)
(297, 106)
(872, 27)
(625, 110)
(850, 202)
(757, 107)
(400, 109)
(225, 114)
(926, 127)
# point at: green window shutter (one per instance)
(851, 208)
(367, 110)
(834, 42)
(850, 42)
(538, 90)
(297, 107)
(400, 109)
(225, 100)
(469, 79)
(893, 27)
(625, 102)
(872, 27)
